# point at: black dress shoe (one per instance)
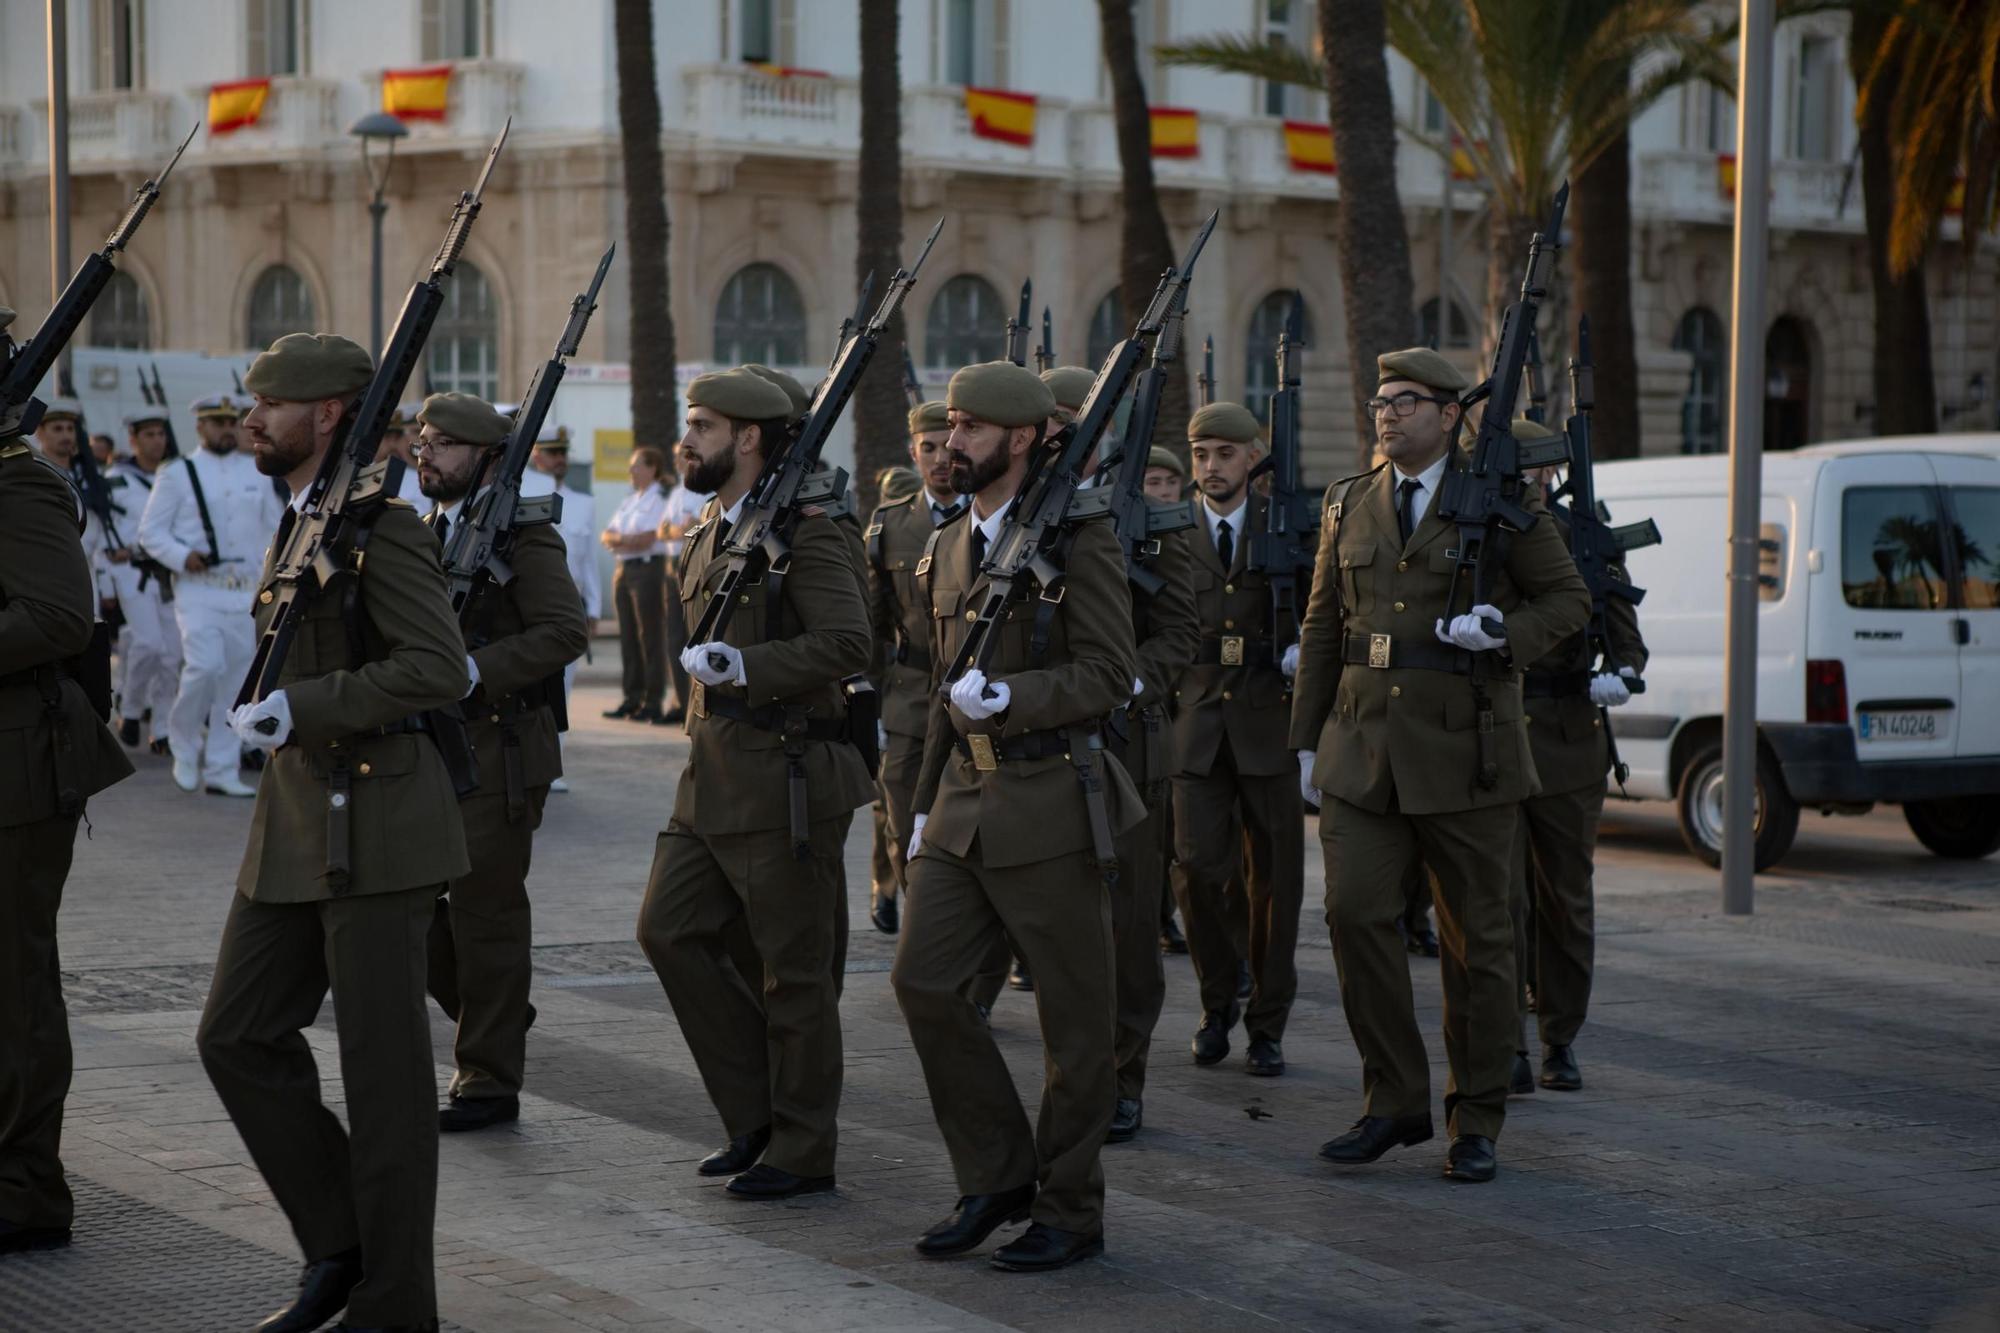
(469, 1113)
(672, 717)
(648, 714)
(1522, 1081)
(1559, 1069)
(128, 732)
(764, 1181)
(1126, 1118)
(15, 1238)
(161, 748)
(741, 1154)
(622, 710)
(1211, 1039)
(1020, 978)
(1470, 1158)
(323, 1288)
(1374, 1135)
(976, 1217)
(1171, 939)
(1243, 983)
(885, 914)
(1266, 1058)
(1041, 1248)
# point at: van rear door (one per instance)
(1972, 496)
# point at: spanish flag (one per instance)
(1176, 132)
(1463, 168)
(995, 114)
(1725, 175)
(769, 70)
(416, 94)
(1309, 146)
(231, 106)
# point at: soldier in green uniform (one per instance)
(767, 725)
(897, 534)
(55, 753)
(1231, 715)
(354, 835)
(527, 631)
(1396, 731)
(1017, 806)
(1166, 481)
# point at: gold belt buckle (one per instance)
(1232, 650)
(1378, 651)
(700, 700)
(983, 756)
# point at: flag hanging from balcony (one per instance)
(1309, 146)
(995, 114)
(787, 71)
(1176, 132)
(1725, 175)
(416, 94)
(1463, 168)
(231, 106)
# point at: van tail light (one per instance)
(1826, 691)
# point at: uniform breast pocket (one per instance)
(1358, 574)
(320, 646)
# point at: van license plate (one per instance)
(1917, 725)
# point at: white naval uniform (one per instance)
(212, 608)
(149, 643)
(579, 534)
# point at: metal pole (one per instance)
(58, 17)
(376, 208)
(1746, 449)
(1445, 302)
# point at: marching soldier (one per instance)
(58, 438)
(398, 442)
(897, 536)
(1017, 807)
(1166, 482)
(768, 742)
(529, 629)
(54, 755)
(1418, 757)
(1236, 772)
(149, 649)
(340, 893)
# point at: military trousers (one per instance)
(34, 1026)
(1368, 862)
(373, 1184)
(481, 947)
(897, 783)
(1228, 825)
(1555, 906)
(638, 590)
(1059, 917)
(742, 937)
(1141, 990)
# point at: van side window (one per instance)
(1890, 556)
(1977, 535)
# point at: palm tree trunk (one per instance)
(1145, 249)
(1602, 204)
(1370, 237)
(880, 434)
(655, 420)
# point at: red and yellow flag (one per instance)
(787, 71)
(1310, 146)
(416, 94)
(1725, 175)
(1463, 168)
(1176, 132)
(231, 106)
(996, 114)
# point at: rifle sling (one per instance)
(201, 508)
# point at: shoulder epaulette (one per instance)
(900, 502)
(14, 448)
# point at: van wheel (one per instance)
(1964, 828)
(1700, 805)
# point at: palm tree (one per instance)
(879, 402)
(655, 419)
(1601, 263)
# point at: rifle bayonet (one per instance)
(1045, 355)
(1017, 327)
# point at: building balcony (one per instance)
(299, 115)
(482, 95)
(125, 127)
(937, 133)
(741, 104)
(1701, 187)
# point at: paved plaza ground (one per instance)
(1789, 1121)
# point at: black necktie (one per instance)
(1225, 545)
(1406, 506)
(978, 547)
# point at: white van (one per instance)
(1878, 675)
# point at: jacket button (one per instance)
(1402, 565)
(1596, 722)
(366, 770)
(1528, 717)
(265, 597)
(1395, 691)
(1399, 606)
(1227, 695)
(972, 615)
(1229, 624)
(1229, 587)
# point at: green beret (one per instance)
(897, 483)
(1421, 365)
(794, 390)
(1002, 394)
(1166, 458)
(310, 367)
(927, 417)
(1069, 384)
(740, 395)
(1524, 429)
(465, 418)
(1224, 421)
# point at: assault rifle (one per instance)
(1284, 551)
(327, 537)
(1531, 374)
(1045, 355)
(854, 321)
(84, 473)
(913, 388)
(155, 395)
(1017, 328)
(1205, 383)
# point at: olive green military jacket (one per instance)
(1166, 631)
(1566, 730)
(1028, 809)
(897, 536)
(45, 618)
(1250, 703)
(1410, 734)
(736, 775)
(531, 628)
(404, 830)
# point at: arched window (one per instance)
(1787, 385)
(121, 318)
(1699, 334)
(1260, 351)
(280, 303)
(465, 342)
(966, 324)
(1107, 326)
(1460, 334)
(760, 318)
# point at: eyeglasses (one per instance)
(425, 444)
(1406, 402)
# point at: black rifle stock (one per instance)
(1045, 355)
(1284, 551)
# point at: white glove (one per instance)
(1466, 632)
(1289, 663)
(881, 736)
(1608, 691)
(696, 658)
(265, 725)
(916, 839)
(472, 670)
(1138, 686)
(972, 696)
(1306, 788)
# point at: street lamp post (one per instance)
(383, 128)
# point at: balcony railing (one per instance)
(740, 103)
(1701, 187)
(482, 95)
(299, 114)
(128, 126)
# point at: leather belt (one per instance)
(988, 752)
(1234, 650)
(224, 582)
(1384, 651)
(771, 717)
(63, 670)
(1554, 684)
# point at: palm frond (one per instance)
(1236, 53)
